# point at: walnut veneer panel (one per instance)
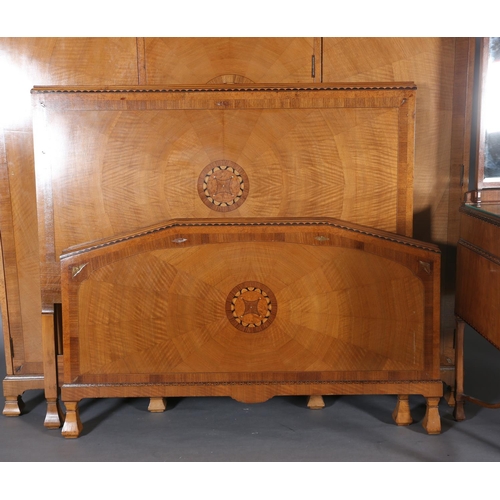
(165, 311)
(25, 62)
(199, 306)
(478, 270)
(430, 63)
(18, 262)
(442, 69)
(26, 266)
(5, 214)
(18, 228)
(115, 161)
(231, 60)
(4, 316)
(478, 282)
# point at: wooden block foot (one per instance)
(157, 405)
(432, 420)
(315, 403)
(13, 406)
(54, 416)
(401, 414)
(72, 424)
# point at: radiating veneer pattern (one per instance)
(354, 310)
(127, 61)
(115, 160)
(231, 60)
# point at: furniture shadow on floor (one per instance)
(94, 411)
(381, 407)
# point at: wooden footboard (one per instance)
(251, 309)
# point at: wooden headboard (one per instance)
(114, 160)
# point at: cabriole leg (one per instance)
(315, 402)
(157, 405)
(432, 420)
(72, 424)
(401, 414)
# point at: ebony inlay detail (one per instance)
(251, 307)
(223, 185)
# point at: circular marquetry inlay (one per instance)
(223, 185)
(251, 307)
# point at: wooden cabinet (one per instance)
(478, 282)
(479, 263)
(478, 258)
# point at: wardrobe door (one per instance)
(25, 62)
(230, 60)
(442, 69)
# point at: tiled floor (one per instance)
(349, 429)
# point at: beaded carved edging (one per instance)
(253, 382)
(495, 221)
(480, 251)
(70, 253)
(228, 88)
